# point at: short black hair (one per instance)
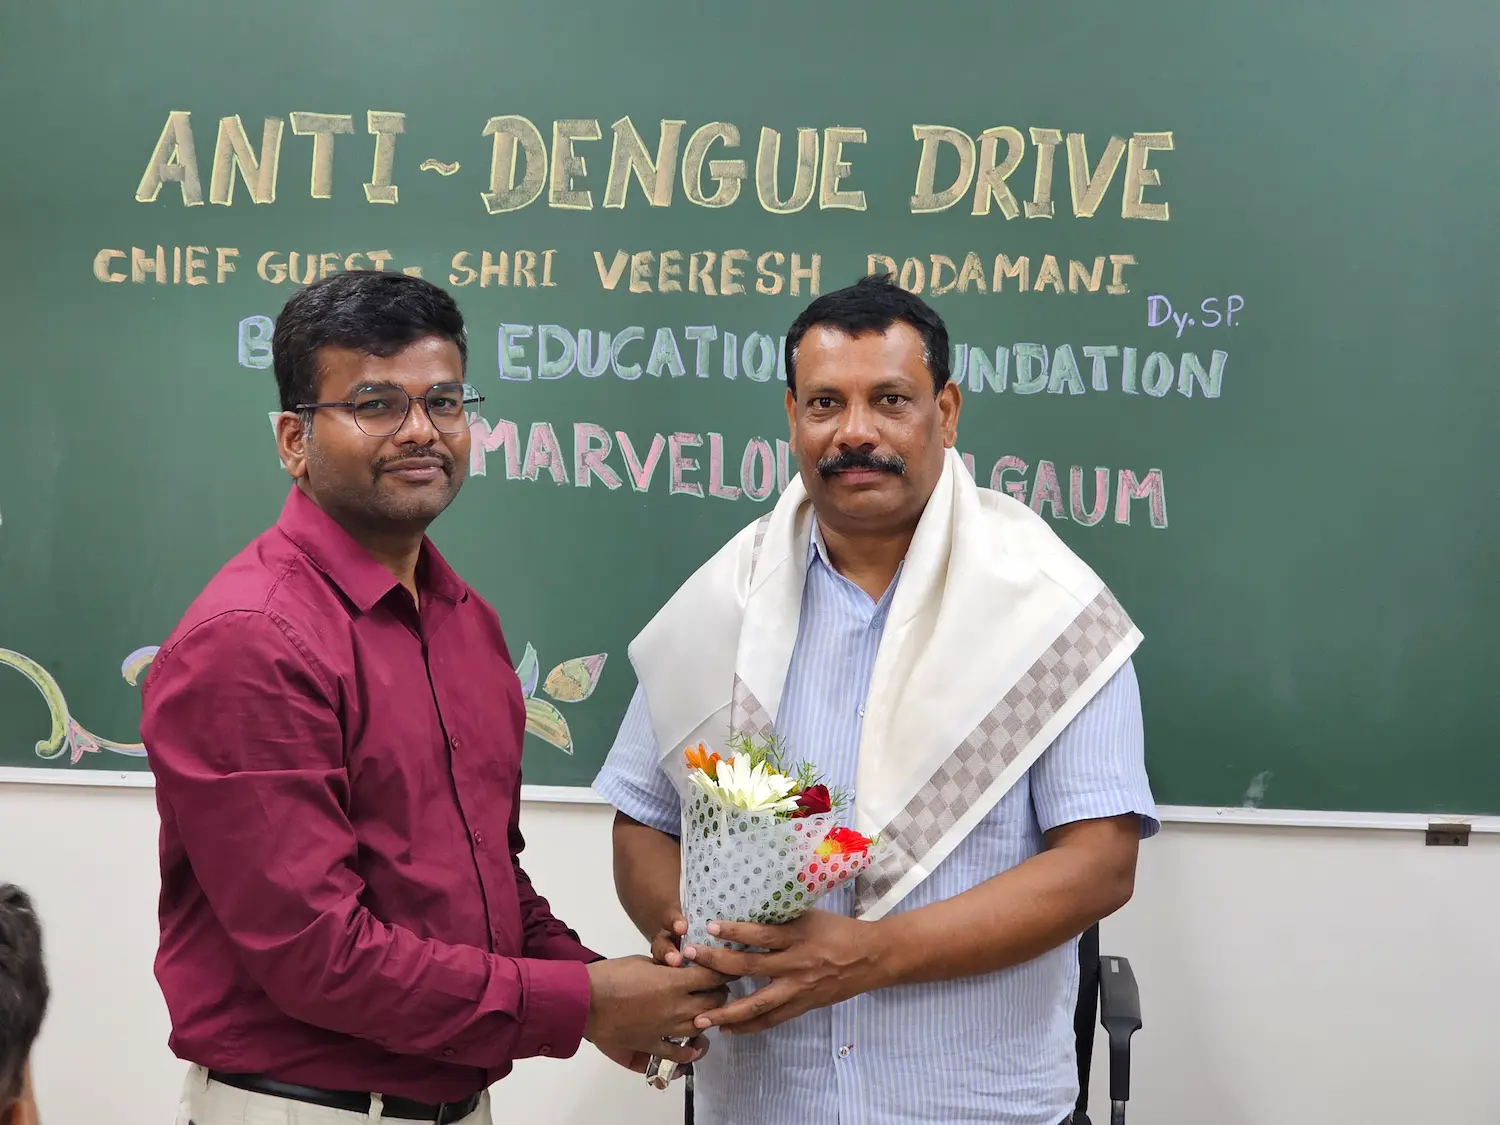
(372, 311)
(23, 988)
(873, 304)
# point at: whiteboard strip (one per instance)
(1312, 818)
(41, 775)
(144, 779)
(1169, 814)
(561, 795)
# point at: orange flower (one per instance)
(843, 841)
(698, 758)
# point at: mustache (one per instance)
(430, 453)
(861, 459)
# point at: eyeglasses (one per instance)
(381, 411)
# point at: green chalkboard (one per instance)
(1220, 280)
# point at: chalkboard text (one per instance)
(553, 351)
(189, 265)
(702, 465)
(204, 265)
(1159, 312)
(981, 276)
(712, 167)
(650, 271)
(981, 165)
(548, 352)
(516, 268)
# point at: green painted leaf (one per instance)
(527, 671)
(546, 722)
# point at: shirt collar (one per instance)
(816, 548)
(349, 566)
(817, 552)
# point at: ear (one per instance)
(29, 1114)
(950, 402)
(291, 447)
(791, 418)
(20, 1110)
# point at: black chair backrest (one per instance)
(1086, 1014)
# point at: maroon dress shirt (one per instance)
(338, 776)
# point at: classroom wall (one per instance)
(1288, 976)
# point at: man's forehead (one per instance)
(896, 336)
(873, 354)
(419, 365)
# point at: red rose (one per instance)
(813, 800)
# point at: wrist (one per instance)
(589, 1030)
(887, 953)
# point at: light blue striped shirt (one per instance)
(996, 1048)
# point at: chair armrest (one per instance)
(1120, 1016)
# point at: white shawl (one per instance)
(996, 638)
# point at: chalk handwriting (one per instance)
(939, 275)
(612, 458)
(981, 165)
(190, 265)
(1159, 312)
(644, 163)
(725, 273)
(548, 352)
(730, 272)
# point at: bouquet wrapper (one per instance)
(758, 867)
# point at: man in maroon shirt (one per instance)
(335, 730)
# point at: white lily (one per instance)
(705, 783)
(752, 788)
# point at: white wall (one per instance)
(1288, 976)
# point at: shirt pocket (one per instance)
(501, 716)
(483, 714)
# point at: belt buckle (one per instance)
(445, 1108)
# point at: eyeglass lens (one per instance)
(381, 411)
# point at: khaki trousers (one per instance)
(213, 1103)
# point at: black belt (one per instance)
(400, 1109)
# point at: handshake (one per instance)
(637, 1006)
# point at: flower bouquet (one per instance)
(760, 843)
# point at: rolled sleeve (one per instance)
(632, 779)
(1097, 766)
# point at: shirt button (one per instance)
(454, 742)
(844, 1052)
(448, 1053)
(546, 1048)
(478, 839)
(861, 712)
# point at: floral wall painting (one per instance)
(570, 682)
(68, 736)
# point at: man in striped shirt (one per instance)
(941, 987)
